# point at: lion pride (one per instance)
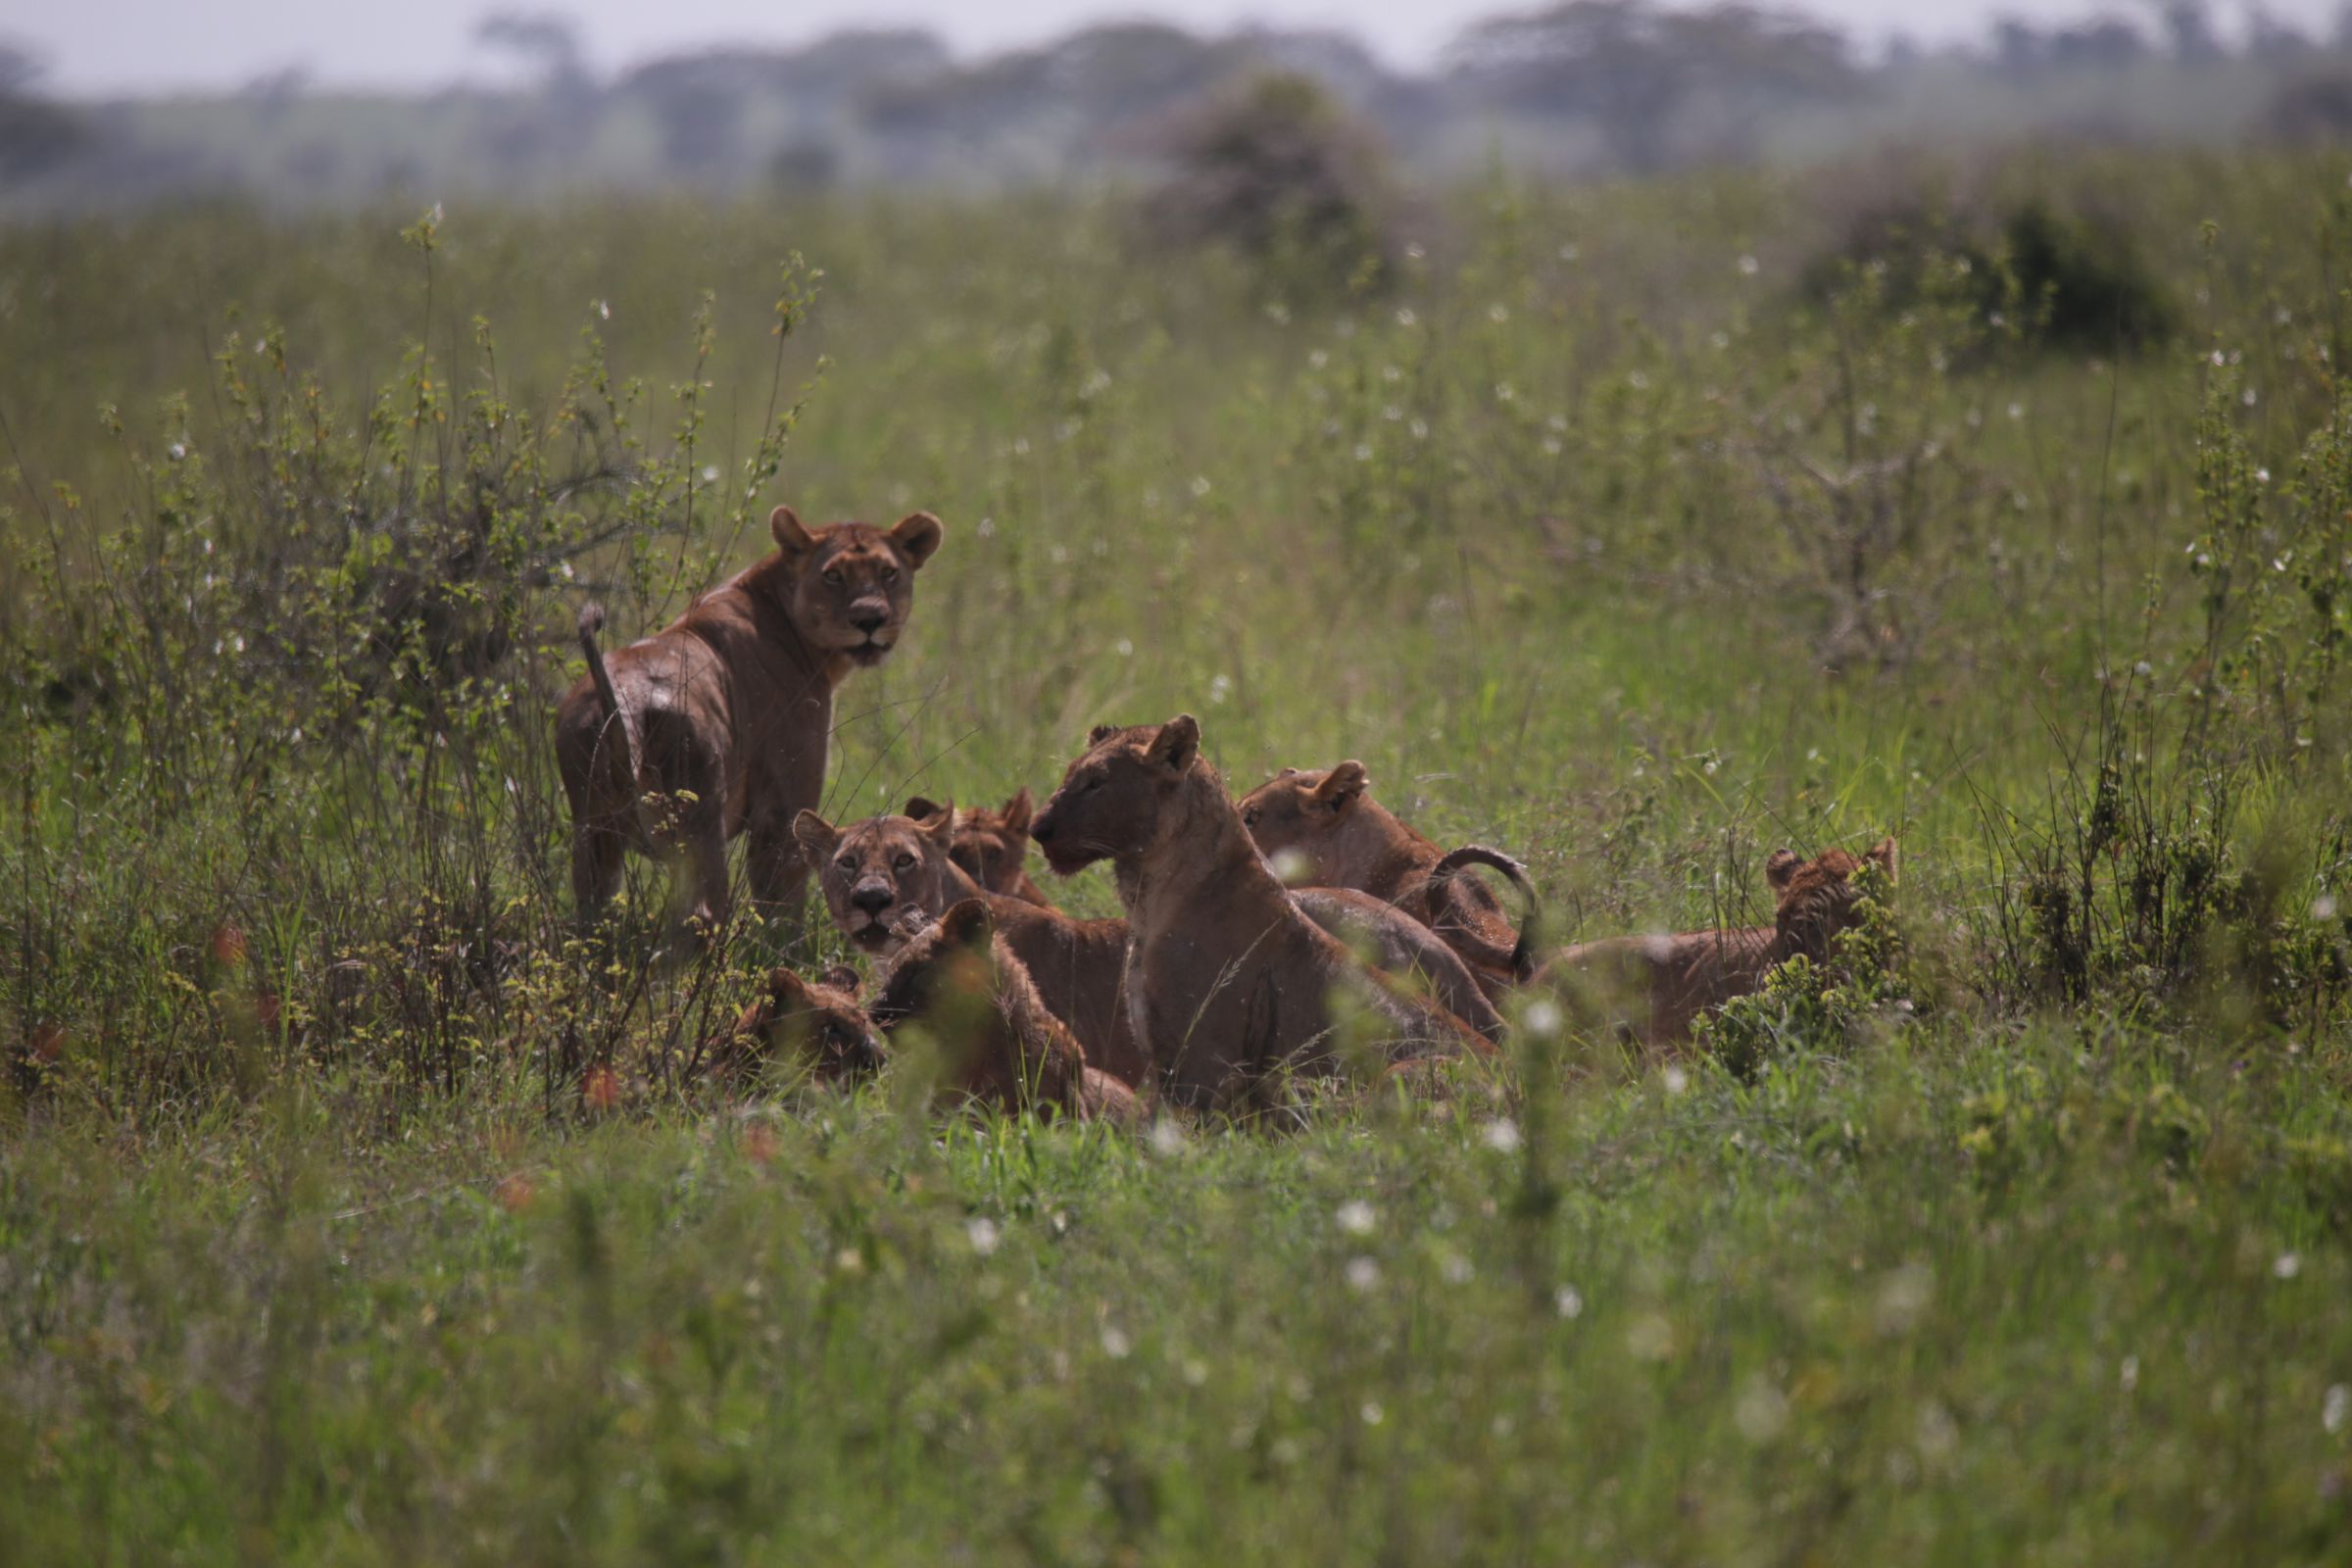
(717, 725)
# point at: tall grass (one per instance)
(1600, 533)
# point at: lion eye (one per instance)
(834, 576)
(903, 861)
(1250, 817)
(890, 574)
(847, 863)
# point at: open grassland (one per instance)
(1617, 530)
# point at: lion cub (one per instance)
(1227, 979)
(1349, 840)
(717, 725)
(1667, 981)
(964, 985)
(992, 848)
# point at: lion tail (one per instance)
(592, 621)
(1522, 959)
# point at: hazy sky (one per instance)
(108, 46)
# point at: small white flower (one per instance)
(1504, 392)
(1115, 1342)
(603, 309)
(2127, 1374)
(1542, 1017)
(1457, 1269)
(1372, 1413)
(1501, 1135)
(1747, 266)
(1196, 1372)
(1167, 1137)
(2288, 1265)
(1363, 452)
(2335, 1408)
(1362, 1274)
(1124, 648)
(981, 1232)
(1568, 1301)
(1290, 866)
(1199, 485)
(2323, 908)
(178, 449)
(1498, 313)
(1406, 317)
(1569, 253)
(1356, 1218)
(1674, 1080)
(1420, 430)
(1220, 687)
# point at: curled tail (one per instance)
(1523, 954)
(592, 621)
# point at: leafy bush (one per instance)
(1273, 167)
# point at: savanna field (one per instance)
(355, 1207)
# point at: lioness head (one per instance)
(816, 1023)
(1815, 899)
(880, 876)
(1113, 799)
(852, 584)
(991, 847)
(1314, 814)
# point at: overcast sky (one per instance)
(114, 46)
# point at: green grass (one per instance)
(309, 1249)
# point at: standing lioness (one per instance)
(1227, 978)
(717, 725)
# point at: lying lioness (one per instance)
(964, 984)
(1657, 986)
(717, 725)
(1227, 979)
(1349, 840)
(992, 848)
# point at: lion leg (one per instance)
(776, 870)
(705, 842)
(597, 855)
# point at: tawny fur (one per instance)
(1657, 986)
(1349, 840)
(814, 1024)
(874, 873)
(992, 848)
(962, 983)
(717, 725)
(1227, 979)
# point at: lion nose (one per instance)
(872, 897)
(869, 619)
(1041, 830)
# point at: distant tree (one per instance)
(2104, 42)
(2188, 26)
(1635, 68)
(1273, 165)
(2017, 46)
(35, 134)
(2270, 37)
(546, 42)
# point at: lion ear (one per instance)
(921, 807)
(938, 824)
(1778, 866)
(967, 923)
(817, 835)
(1883, 853)
(1177, 742)
(841, 977)
(1016, 812)
(1342, 785)
(1101, 733)
(784, 525)
(783, 983)
(918, 535)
